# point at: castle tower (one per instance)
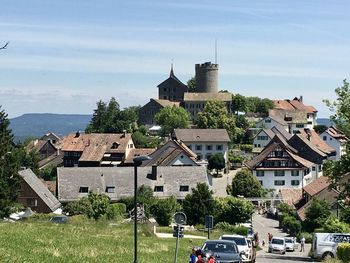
(207, 77)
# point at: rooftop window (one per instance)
(84, 189)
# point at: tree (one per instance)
(9, 166)
(239, 103)
(291, 224)
(245, 184)
(199, 204)
(217, 162)
(258, 105)
(144, 141)
(171, 118)
(320, 128)
(216, 116)
(316, 214)
(164, 209)
(99, 117)
(191, 84)
(333, 225)
(233, 210)
(99, 205)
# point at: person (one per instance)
(263, 242)
(269, 237)
(211, 259)
(302, 244)
(200, 256)
(193, 257)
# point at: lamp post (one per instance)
(137, 162)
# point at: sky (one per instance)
(66, 55)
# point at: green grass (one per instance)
(85, 242)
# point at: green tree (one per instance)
(258, 105)
(217, 162)
(233, 210)
(171, 118)
(199, 204)
(216, 116)
(98, 119)
(333, 225)
(291, 224)
(320, 128)
(239, 103)
(145, 141)
(245, 184)
(316, 214)
(164, 209)
(9, 166)
(191, 84)
(99, 205)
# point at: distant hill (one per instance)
(38, 124)
(324, 121)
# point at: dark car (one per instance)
(224, 251)
(59, 219)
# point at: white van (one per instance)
(324, 245)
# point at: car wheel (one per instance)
(284, 252)
(269, 250)
(327, 255)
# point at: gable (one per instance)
(182, 160)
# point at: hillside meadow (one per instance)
(86, 242)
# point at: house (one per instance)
(310, 147)
(44, 148)
(96, 149)
(34, 194)
(172, 88)
(52, 137)
(297, 104)
(204, 142)
(264, 136)
(296, 119)
(116, 183)
(129, 160)
(270, 122)
(335, 139)
(319, 188)
(149, 110)
(195, 102)
(172, 153)
(278, 166)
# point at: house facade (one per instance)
(204, 142)
(335, 139)
(172, 88)
(269, 122)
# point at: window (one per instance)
(295, 182)
(267, 120)
(110, 189)
(279, 173)
(325, 138)
(189, 146)
(320, 167)
(184, 188)
(260, 173)
(295, 173)
(32, 202)
(263, 138)
(199, 157)
(219, 147)
(164, 97)
(83, 189)
(261, 182)
(330, 139)
(198, 147)
(208, 156)
(299, 125)
(158, 188)
(313, 168)
(209, 147)
(279, 182)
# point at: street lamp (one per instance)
(137, 162)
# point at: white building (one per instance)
(336, 139)
(270, 122)
(263, 138)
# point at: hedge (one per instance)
(343, 252)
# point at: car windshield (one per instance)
(240, 241)
(220, 247)
(277, 241)
(289, 240)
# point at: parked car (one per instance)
(59, 219)
(277, 244)
(324, 245)
(224, 251)
(291, 244)
(242, 244)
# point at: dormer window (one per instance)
(110, 189)
(84, 189)
(115, 145)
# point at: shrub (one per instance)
(246, 147)
(81, 207)
(291, 224)
(41, 217)
(115, 211)
(226, 227)
(308, 236)
(235, 158)
(333, 225)
(164, 209)
(233, 210)
(285, 209)
(343, 252)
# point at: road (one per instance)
(263, 226)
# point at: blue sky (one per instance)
(64, 55)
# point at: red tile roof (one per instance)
(291, 196)
(293, 104)
(312, 136)
(316, 186)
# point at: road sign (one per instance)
(180, 218)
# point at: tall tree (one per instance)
(191, 84)
(171, 118)
(199, 204)
(239, 103)
(9, 166)
(98, 119)
(217, 162)
(245, 184)
(316, 214)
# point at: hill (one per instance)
(324, 121)
(38, 124)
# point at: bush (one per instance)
(115, 211)
(308, 237)
(233, 210)
(164, 209)
(246, 147)
(41, 217)
(235, 158)
(291, 224)
(81, 207)
(343, 252)
(333, 225)
(226, 227)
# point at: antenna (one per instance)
(216, 51)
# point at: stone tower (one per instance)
(207, 77)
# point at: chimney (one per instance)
(301, 98)
(124, 134)
(77, 134)
(36, 142)
(154, 172)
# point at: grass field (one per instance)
(86, 242)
